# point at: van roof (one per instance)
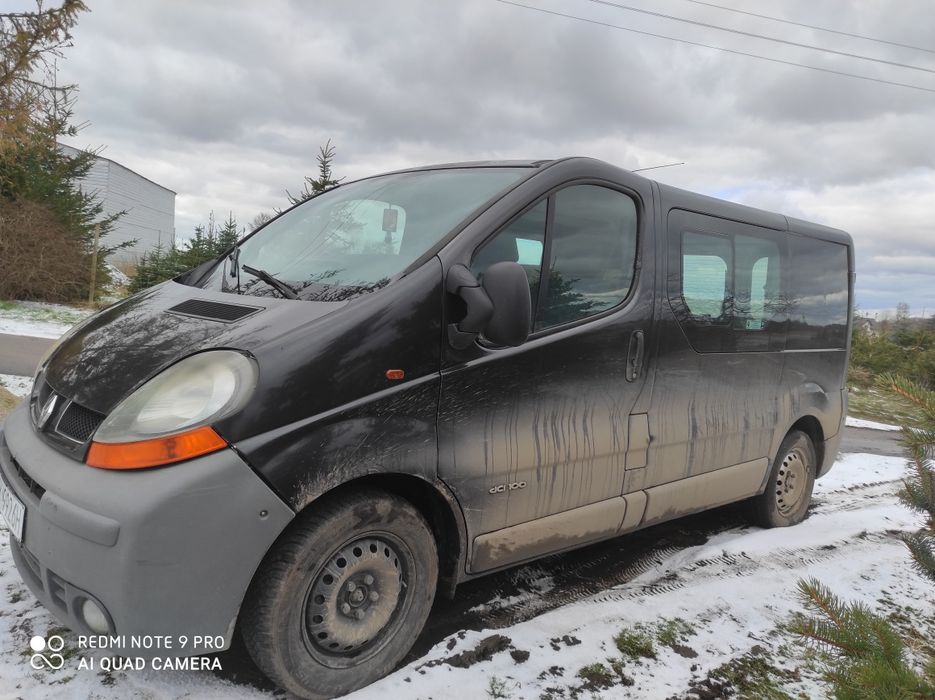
(476, 164)
(675, 198)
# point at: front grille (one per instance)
(34, 488)
(78, 423)
(43, 391)
(214, 310)
(32, 564)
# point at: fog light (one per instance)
(94, 617)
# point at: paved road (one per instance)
(877, 442)
(20, 354)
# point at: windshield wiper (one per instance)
(276, 284)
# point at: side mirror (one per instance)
(462, 283)
(507, 287)
(500, 308)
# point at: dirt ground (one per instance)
(7, 402)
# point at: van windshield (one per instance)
(357, 237)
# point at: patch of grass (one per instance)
(618, 665)
(871, 403)
(496, 688)
(752, 676)
(675, 631)
(58, 313)
(635, 643)
(70, 650)
(16, 596)
(7, 402)
(597, 675)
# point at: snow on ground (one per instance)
(873, 425)
(117, 277)
(733, 592)
(39, 319)
(16, 385)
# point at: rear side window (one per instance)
(757, 282)
(707, 262)
(727, 288)
(818, 295)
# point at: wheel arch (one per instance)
(434, 502)
(811, 426)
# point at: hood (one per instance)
(122, 347)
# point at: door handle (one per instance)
(635, 356)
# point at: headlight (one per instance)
(166, 420)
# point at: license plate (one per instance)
(12, 510)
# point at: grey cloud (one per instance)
(227, 103)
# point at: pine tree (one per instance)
(918, 492)
(34, 173)
(228, 235)
(325, 180)
(207, 242)
(867, 655)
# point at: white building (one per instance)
(150, 208)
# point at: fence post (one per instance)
(97, 238)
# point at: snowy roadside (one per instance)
(16, 385)
(714, 606)
(39, 319)
(872, 425)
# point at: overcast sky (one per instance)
(227, 102)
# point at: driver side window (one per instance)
(521, 241)
(591, 245)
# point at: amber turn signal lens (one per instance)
(155, 452)
(395, 374)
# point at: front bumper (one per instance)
(167, 551)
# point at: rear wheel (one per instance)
(789, 488)
(342, 596)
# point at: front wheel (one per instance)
(342, 596)
(789, 488)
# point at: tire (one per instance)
(789, 488)
(342, 595)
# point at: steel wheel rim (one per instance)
(791, 482)
(356, 600)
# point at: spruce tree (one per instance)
(867, 658)
(35, 111)
(228, 235)
(325, 180)
(918, 492)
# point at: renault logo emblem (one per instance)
(47, 411)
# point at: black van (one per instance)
(412, 380)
